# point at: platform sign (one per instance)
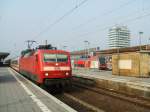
(125, 64)
(94, 64)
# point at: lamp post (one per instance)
(88, 44)
(118, 37)
(117, 46)
(140, 36)
(148, 45)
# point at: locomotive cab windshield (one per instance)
(55, 58)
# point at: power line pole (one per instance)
(87, 49)
(148, 43)
(140, 36)
(46, 43)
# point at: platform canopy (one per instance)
(3, 55)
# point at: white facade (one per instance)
(119, 37)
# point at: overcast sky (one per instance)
(21, 20)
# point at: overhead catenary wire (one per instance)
(122, 22)
(56, 8)
(125, 21)
(69, 12)
(60, 19)
(104, 14)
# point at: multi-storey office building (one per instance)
(119, 36)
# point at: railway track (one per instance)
(129, 98)
(63, 95)
(100, 100)
(85, 98)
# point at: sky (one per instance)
(41, 20)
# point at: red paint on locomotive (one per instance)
(45, 65)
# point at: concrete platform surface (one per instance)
(17, 94)
(128, 85)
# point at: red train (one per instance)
(46, 65)
(79, 63)
(105, 63)
(94, 62)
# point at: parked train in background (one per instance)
(94, 62)
(45, 65)
(105, 63)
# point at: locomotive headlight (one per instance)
(46, 74)
(67, 73)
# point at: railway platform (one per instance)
(17, 94)
(138, 87)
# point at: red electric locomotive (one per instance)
(46, 65)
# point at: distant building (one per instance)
(119, 37)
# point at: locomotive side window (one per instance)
(50, 57)
(55, 58)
